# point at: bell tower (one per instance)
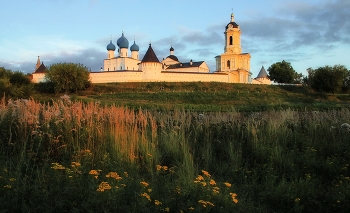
(233, 37)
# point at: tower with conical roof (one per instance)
(233, 61)
(38, 63)
(150, 66)
(262, 77)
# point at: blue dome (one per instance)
(111, 46)
(134, 47)
(123, 42)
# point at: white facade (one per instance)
(232, 66)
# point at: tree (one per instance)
(68, 77)
(329, 79)
(283, 72)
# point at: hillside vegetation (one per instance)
(211, 96)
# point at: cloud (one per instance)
(295, 25)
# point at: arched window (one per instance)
(230, 40)
(228, 64)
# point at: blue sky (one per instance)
(306, 33)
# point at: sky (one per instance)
(306, 33)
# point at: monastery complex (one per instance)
(232, 66)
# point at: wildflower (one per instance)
(103, 186)
(234, 197)
(113, 175)
(159, 167)
(123, 184)
(157, 202)
(8, 186)
(12, 179)
(149, 190)
(167, 209)
(149, 155)
(191, 208)
(210, 203)
(205, 173)
(228, 184)
(297, 200)
(200, 178)
(93, 172)
(212, 182)
(216, 190)
(203, 183)
(145, 184)
(75, 164)
(203, 203)
(165, 168)
(146, 196)
(126, 174)
(57, 166)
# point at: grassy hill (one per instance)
(210, 96)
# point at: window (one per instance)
(228, 64)
(230, 40)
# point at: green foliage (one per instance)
(283, 72)
(70, 156)
(329, 79)
(68, 77)
(15, 84)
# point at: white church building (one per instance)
(232, 66)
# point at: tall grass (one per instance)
(85, 157)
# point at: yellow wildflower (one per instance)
(103, 186)
(167, 209)
(200, 178)
(228, 184)
(210, 203)
(75, 164)
(297, 200)
(145, 184)
(126, 174)
(165, 168)
(157, 202)
(233, 196)
(204, 183)
(191, 208)
(146, 196)
(212, 182)
(12, 179)
(93, 172)
(159, 167)
(149, 190)
(8, 186)
(113, 175)
(123, 184)
(216, 190)
(57, 166)
(205, 173)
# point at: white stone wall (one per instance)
(117, 76)
(38, 77)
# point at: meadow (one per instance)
(84, 156)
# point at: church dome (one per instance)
(134, 47)
(123, 42)
(111, 46)
(232, 24)
(173, 57)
